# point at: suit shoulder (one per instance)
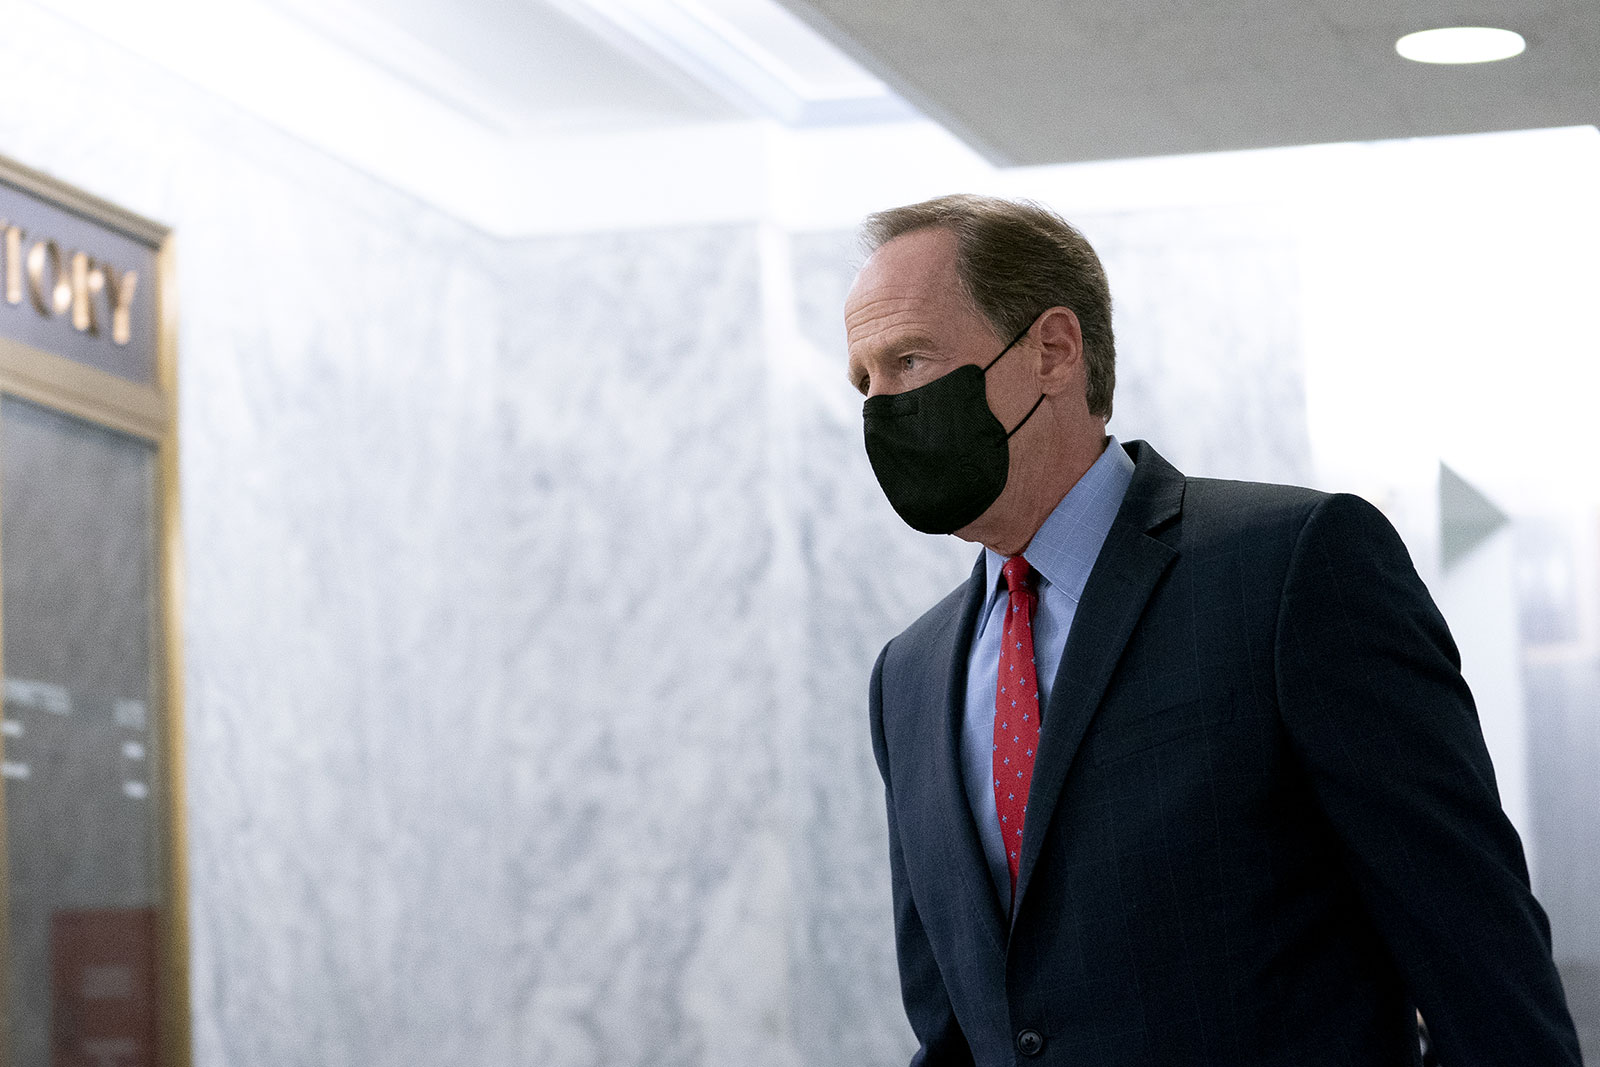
(1278, 524)
(1258, 507)
(1216, 509)
(1250, 498)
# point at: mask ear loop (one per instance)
(1026, 417)
(1008, 347)
(996, 359)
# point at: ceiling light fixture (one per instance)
(1460, 44)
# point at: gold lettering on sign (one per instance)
(13, 264)
(88, 279)
(121, 290)
(58, 282)
(59, 298)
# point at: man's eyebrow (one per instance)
(901, 343)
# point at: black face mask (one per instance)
(939, 453)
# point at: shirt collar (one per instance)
(1066, 546)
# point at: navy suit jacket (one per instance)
(1262, 829)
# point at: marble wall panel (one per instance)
(649, 861)
(343, 705)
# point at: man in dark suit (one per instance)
(1186, 773)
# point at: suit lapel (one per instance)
(971, 869)
(1129, 565)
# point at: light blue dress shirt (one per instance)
(1062, 552)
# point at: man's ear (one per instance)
(1060, 340)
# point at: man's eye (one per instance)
(909, 363)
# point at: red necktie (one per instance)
(1016, 711)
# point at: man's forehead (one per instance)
(922, 260)
(908, 295)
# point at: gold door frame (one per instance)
(149, 412)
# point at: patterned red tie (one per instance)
(1016, 711)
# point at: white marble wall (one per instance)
(650, 867)
(344, 709)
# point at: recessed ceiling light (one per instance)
(1460, 44)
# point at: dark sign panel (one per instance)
(76, 288)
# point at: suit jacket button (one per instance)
(1030, 1042)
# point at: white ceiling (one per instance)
(537, 116)
(519, 66)
(528, 67)
(1025, 81)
